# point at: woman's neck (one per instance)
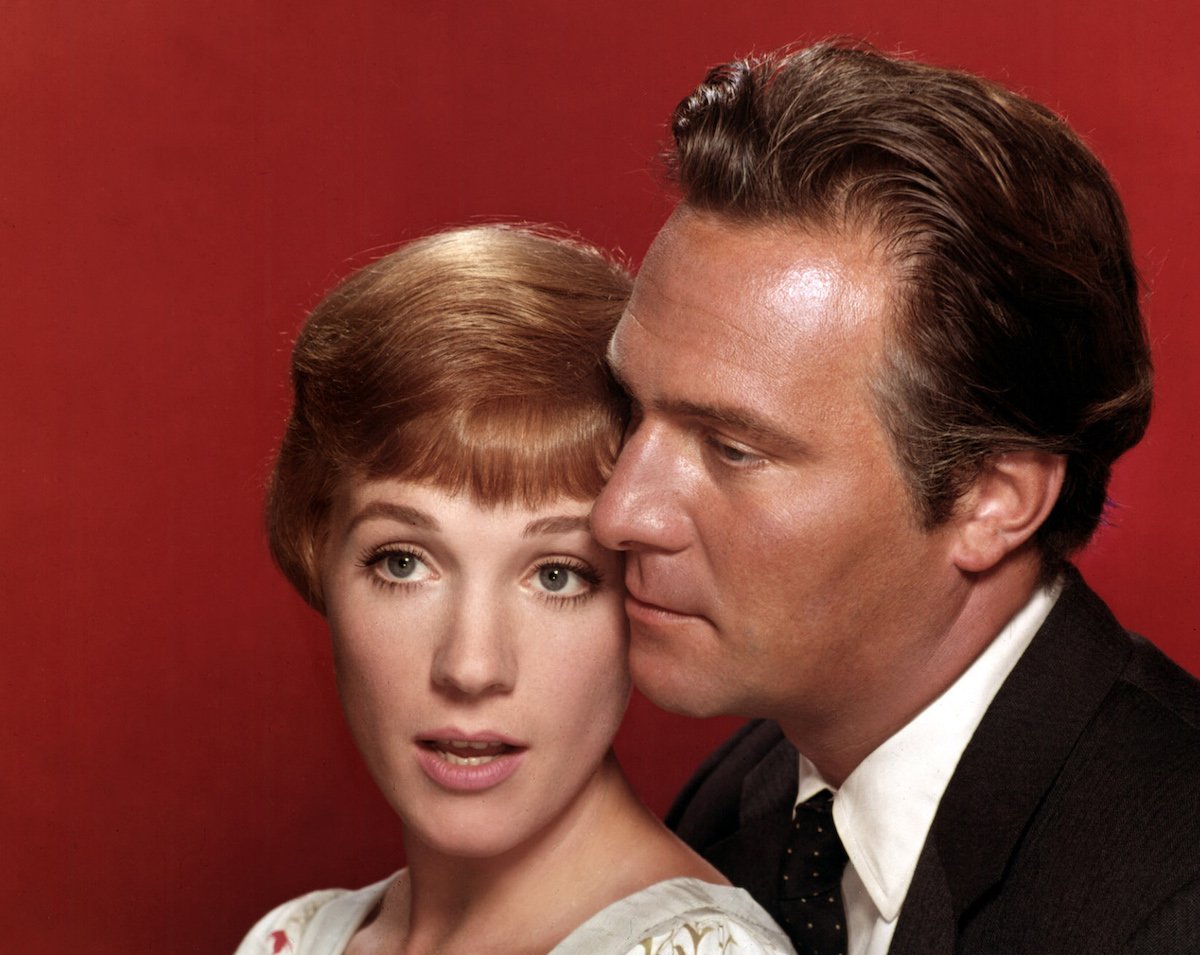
(605, 846)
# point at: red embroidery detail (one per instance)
(279, 942)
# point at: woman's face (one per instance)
(480, 655)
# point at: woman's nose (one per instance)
(475, 653)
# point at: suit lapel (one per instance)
(928, 922)
(1012, 760)
(749, 857)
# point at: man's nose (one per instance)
(643, 506)
(475, 653)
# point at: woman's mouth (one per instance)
(462, 752)
(454, 761)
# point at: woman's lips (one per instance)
(464, 752)
(463, 764)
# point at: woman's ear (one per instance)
(1013, 494)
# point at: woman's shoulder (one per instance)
(318, 923)
(679, 917)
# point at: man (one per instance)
(882, 358)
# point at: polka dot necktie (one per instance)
(810, 883)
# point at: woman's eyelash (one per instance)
(591, 577)
(372, 558)
(374, 555)
(586, 571)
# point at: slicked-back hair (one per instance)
(473, 360)
(1016, 321)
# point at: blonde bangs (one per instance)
(507, 453)
(472, 359)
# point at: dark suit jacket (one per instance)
(1071, 825)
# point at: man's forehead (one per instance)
(758, 289)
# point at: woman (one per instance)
(453, 422)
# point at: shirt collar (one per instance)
(885, 807)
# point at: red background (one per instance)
(179, 182)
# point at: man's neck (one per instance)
(837, 742)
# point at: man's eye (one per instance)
(731, 454)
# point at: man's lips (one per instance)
(641, 608)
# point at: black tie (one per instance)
(810, 884)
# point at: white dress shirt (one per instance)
(885, 807)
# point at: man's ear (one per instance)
(1008, 502)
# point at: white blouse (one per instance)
(675, 917)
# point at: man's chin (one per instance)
(672, 685)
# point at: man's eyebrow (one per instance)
(728, 416)
(402, 513)
(736, 419)
(557, 524)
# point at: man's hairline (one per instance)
(868, 232)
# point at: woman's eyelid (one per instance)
(578, 565)
(376, 559)
(582, 558)
(588, 575)
(393, 547)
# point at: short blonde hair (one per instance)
(473, 359)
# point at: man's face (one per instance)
(775, 564)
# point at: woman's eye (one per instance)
(402, 566)
(561, 580)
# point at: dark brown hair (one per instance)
(472, 359)
(1017, 323)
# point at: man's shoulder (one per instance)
(1090, 700)
(1147, 705)
(1135, 770)
(1113, 846)
(1079, 793)
(1165, 684)
(739, 754)
(710, 805)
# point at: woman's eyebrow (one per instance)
(402, 513)
(557, 524)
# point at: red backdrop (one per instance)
(179, 182)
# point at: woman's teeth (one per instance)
(462, 752)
